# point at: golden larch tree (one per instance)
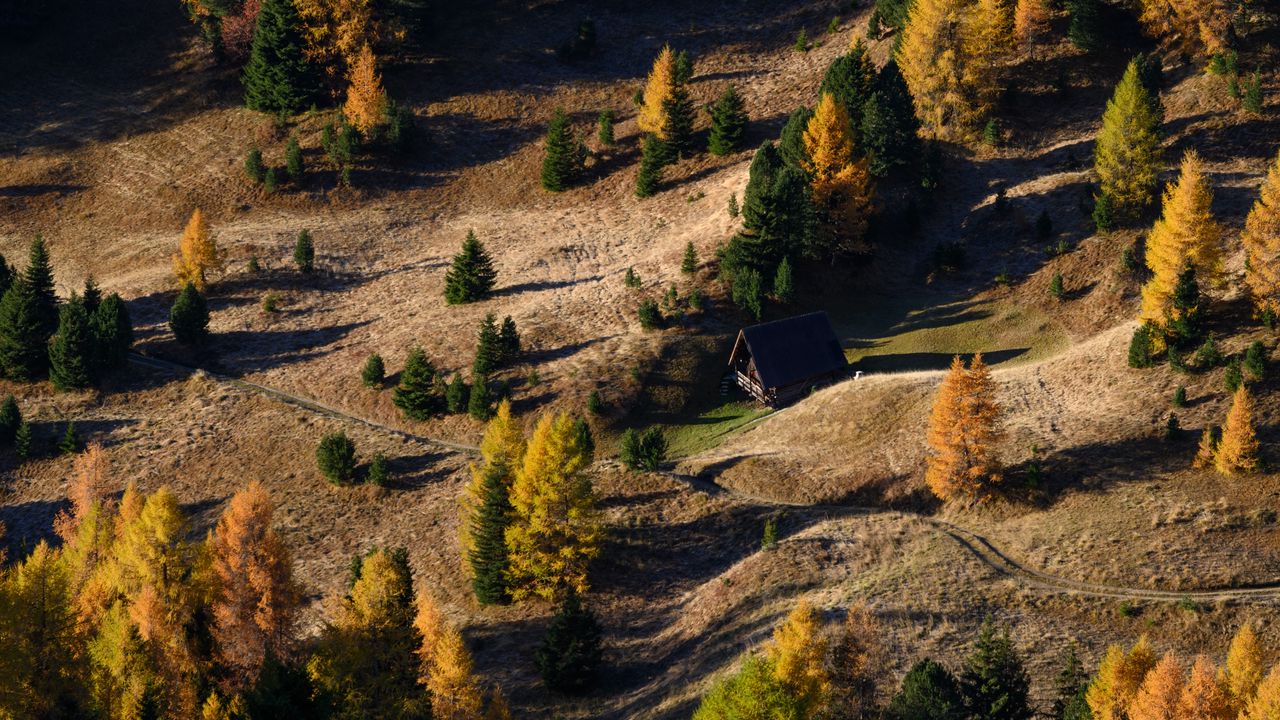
(842, 188)
(1204, 697)
(1128, 155)
(1119, 676)
(1261, 240)
(964, 429)
(1265, 703)
(1207, 450)
(90, 488)
(1237, 452)
(1197, 27)
(455, 692)
(502, 446)
(39, 670)
(1185, 233)
(556, 530)
(658, 90)
(1030, 21)
(798, 654)
(1244, 668)
(366, 104)
(429, 622)
(197, 253)
(934, 64)
(1161, 690)
(336, 30)
(255, 599)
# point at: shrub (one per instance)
(1233, 377)
(570, 652)
(1180, 397)
(802, 42)
(1055, 287)
(689, 264)
(1142, 348)
(733, 205)
(253, 265)
(650, 315)
(189, 317)
(695, 299)
(378, 474)
(1252, 95)
(304, 252)
(269, 181)
(1207, 355)
(1255, 360)
(595, 405)
(293, 159)
(253, 165)
(374, 372)
(270, 303)
(455, 398)
(336, 458)
(1224, 63)
(631, 280)
(644, 450)
(1129, 261)
(1104, 213)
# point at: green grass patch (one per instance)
(708, 429)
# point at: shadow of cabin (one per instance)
(779, 362)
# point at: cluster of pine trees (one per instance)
(129, 618)
(423, 390)
(75, 343)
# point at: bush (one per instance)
(253, 165)
(374, 372)
(1255, 360)
(650, 315)
(270, 303)
(644, 450)
(1180, 397)
(802, 42)
(733, 205)
(189, 317)
(595, 405)
(1252, 95)
(689, 264)
(1055, 287)
(631, 280)
(1142, 349)
(1207, 355)
(304, 252)
(269, 181)
(570, 652)
(1129, 261)
(336, 458)
(293, 159)
(1233, 377)
(1104, 213)
(378, 474)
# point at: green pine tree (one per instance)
(455, 397)
(791, 141)
(374, 372)
(1252, 98)
(189, 317)
(849, 79)
(508, 342)
(778, 220)
(570, 654)
(22, 440)
(653, 158)
(1085, 28)
(1142, 347)
(39, 277)
(562, 159)
(71, 353)
(480, 402)
(1069, 697)
(994, 684)
(70, 443)
(889, 128)
(488, 347)
(928, 692)
(689, 264)
(278, 78)
(604, 131)
(783, 285)
(23, 355)
(92, 295)
(379, 474)
(488, 556)
(336, 458)
(728, 123)
(7, 274)
(293, 159)
(253, 168)
(418, 394)
(472, 276)
(10, 419)
(304, 252)
(585, 440)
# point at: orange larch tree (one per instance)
(1237, 452)
(658, 90)
(197, 253)
(842, 188)
(1204, 697)
(366, 105)
(1186, 232)
(1157, 698)
(1244, 669)
(1261, 240)
(964, 430)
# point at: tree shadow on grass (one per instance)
(906, 362)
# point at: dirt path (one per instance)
(981, 548)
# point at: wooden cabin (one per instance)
(778, 362)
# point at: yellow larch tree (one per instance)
(1128, 155)
(430, 625)
(455, 692)
(934, 58)
(1265, 703)
(197, 253)
(366, 104)
(40, 670)
(1204, 697)
(1237, 452)
(1243, 671)
(88, 530)
(1161, 690)
(556, 530)
(842, 188)
(502, 446)
(1261, 240)
(1119, 676)
(1207, 450)
(964, 430)
(255, 600)
(1197, 27)
(798, 655)
(658, 89)
(336, 30)
(1030, 21)
(1185, 233)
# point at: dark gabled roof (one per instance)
(793, 349)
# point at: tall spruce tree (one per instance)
(653, 158)
(23, 355)
(929, 692)
(678, 122)
(791, 140)
(488, 347)
(1085, 26)
(189, 316)
(92, 295)
(71, 361)
(562, 158)
(278, 77)
(1069, 691)
(508, 342)
(7, 274)
(889, 129)
(1128, 156)
(994, 684)
(778, 217)
(728, 123)
(10, 420)
(39, 277)
(112, 333)
(570, 654)
(304, 252)
(472, 276)
(419, 393)
(479, 400)
(850, 79)
(488, 556)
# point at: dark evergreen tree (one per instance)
(480, 402)
(849, 79)
(1069, 697)
(643, 450)
(71, 353)
(562, 159)
(689, 264)
(728, 123)
(1142, 346)
(10, 420)
(189, 317)
(378, 474)
(472, 276)
(582, 431)
(488, 347)
(570, 653)
(508, 342)
(418, 394)
(23, 354)
(1183, 327)
(683, 68)
(778, 221)
(293, 159)
(889, 126)
(1252, 96)
(39, 277)
(374, 372)
(1151, 76)
(783, 284)
(994, 683)
(455, 397)
(92, 296)
(488, 556)
(653, 158)
(1255, 360)
(928, 692)
(22, 440)
(7, 275)
(888, 15)
(278, 78)
(604, 128)
(678, 123)
(283, 690)
(336, 458)
(253, 168)
(70, 442)
(304, 252)
(791, 141)
(1085, 28)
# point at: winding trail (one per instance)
(977, 545)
